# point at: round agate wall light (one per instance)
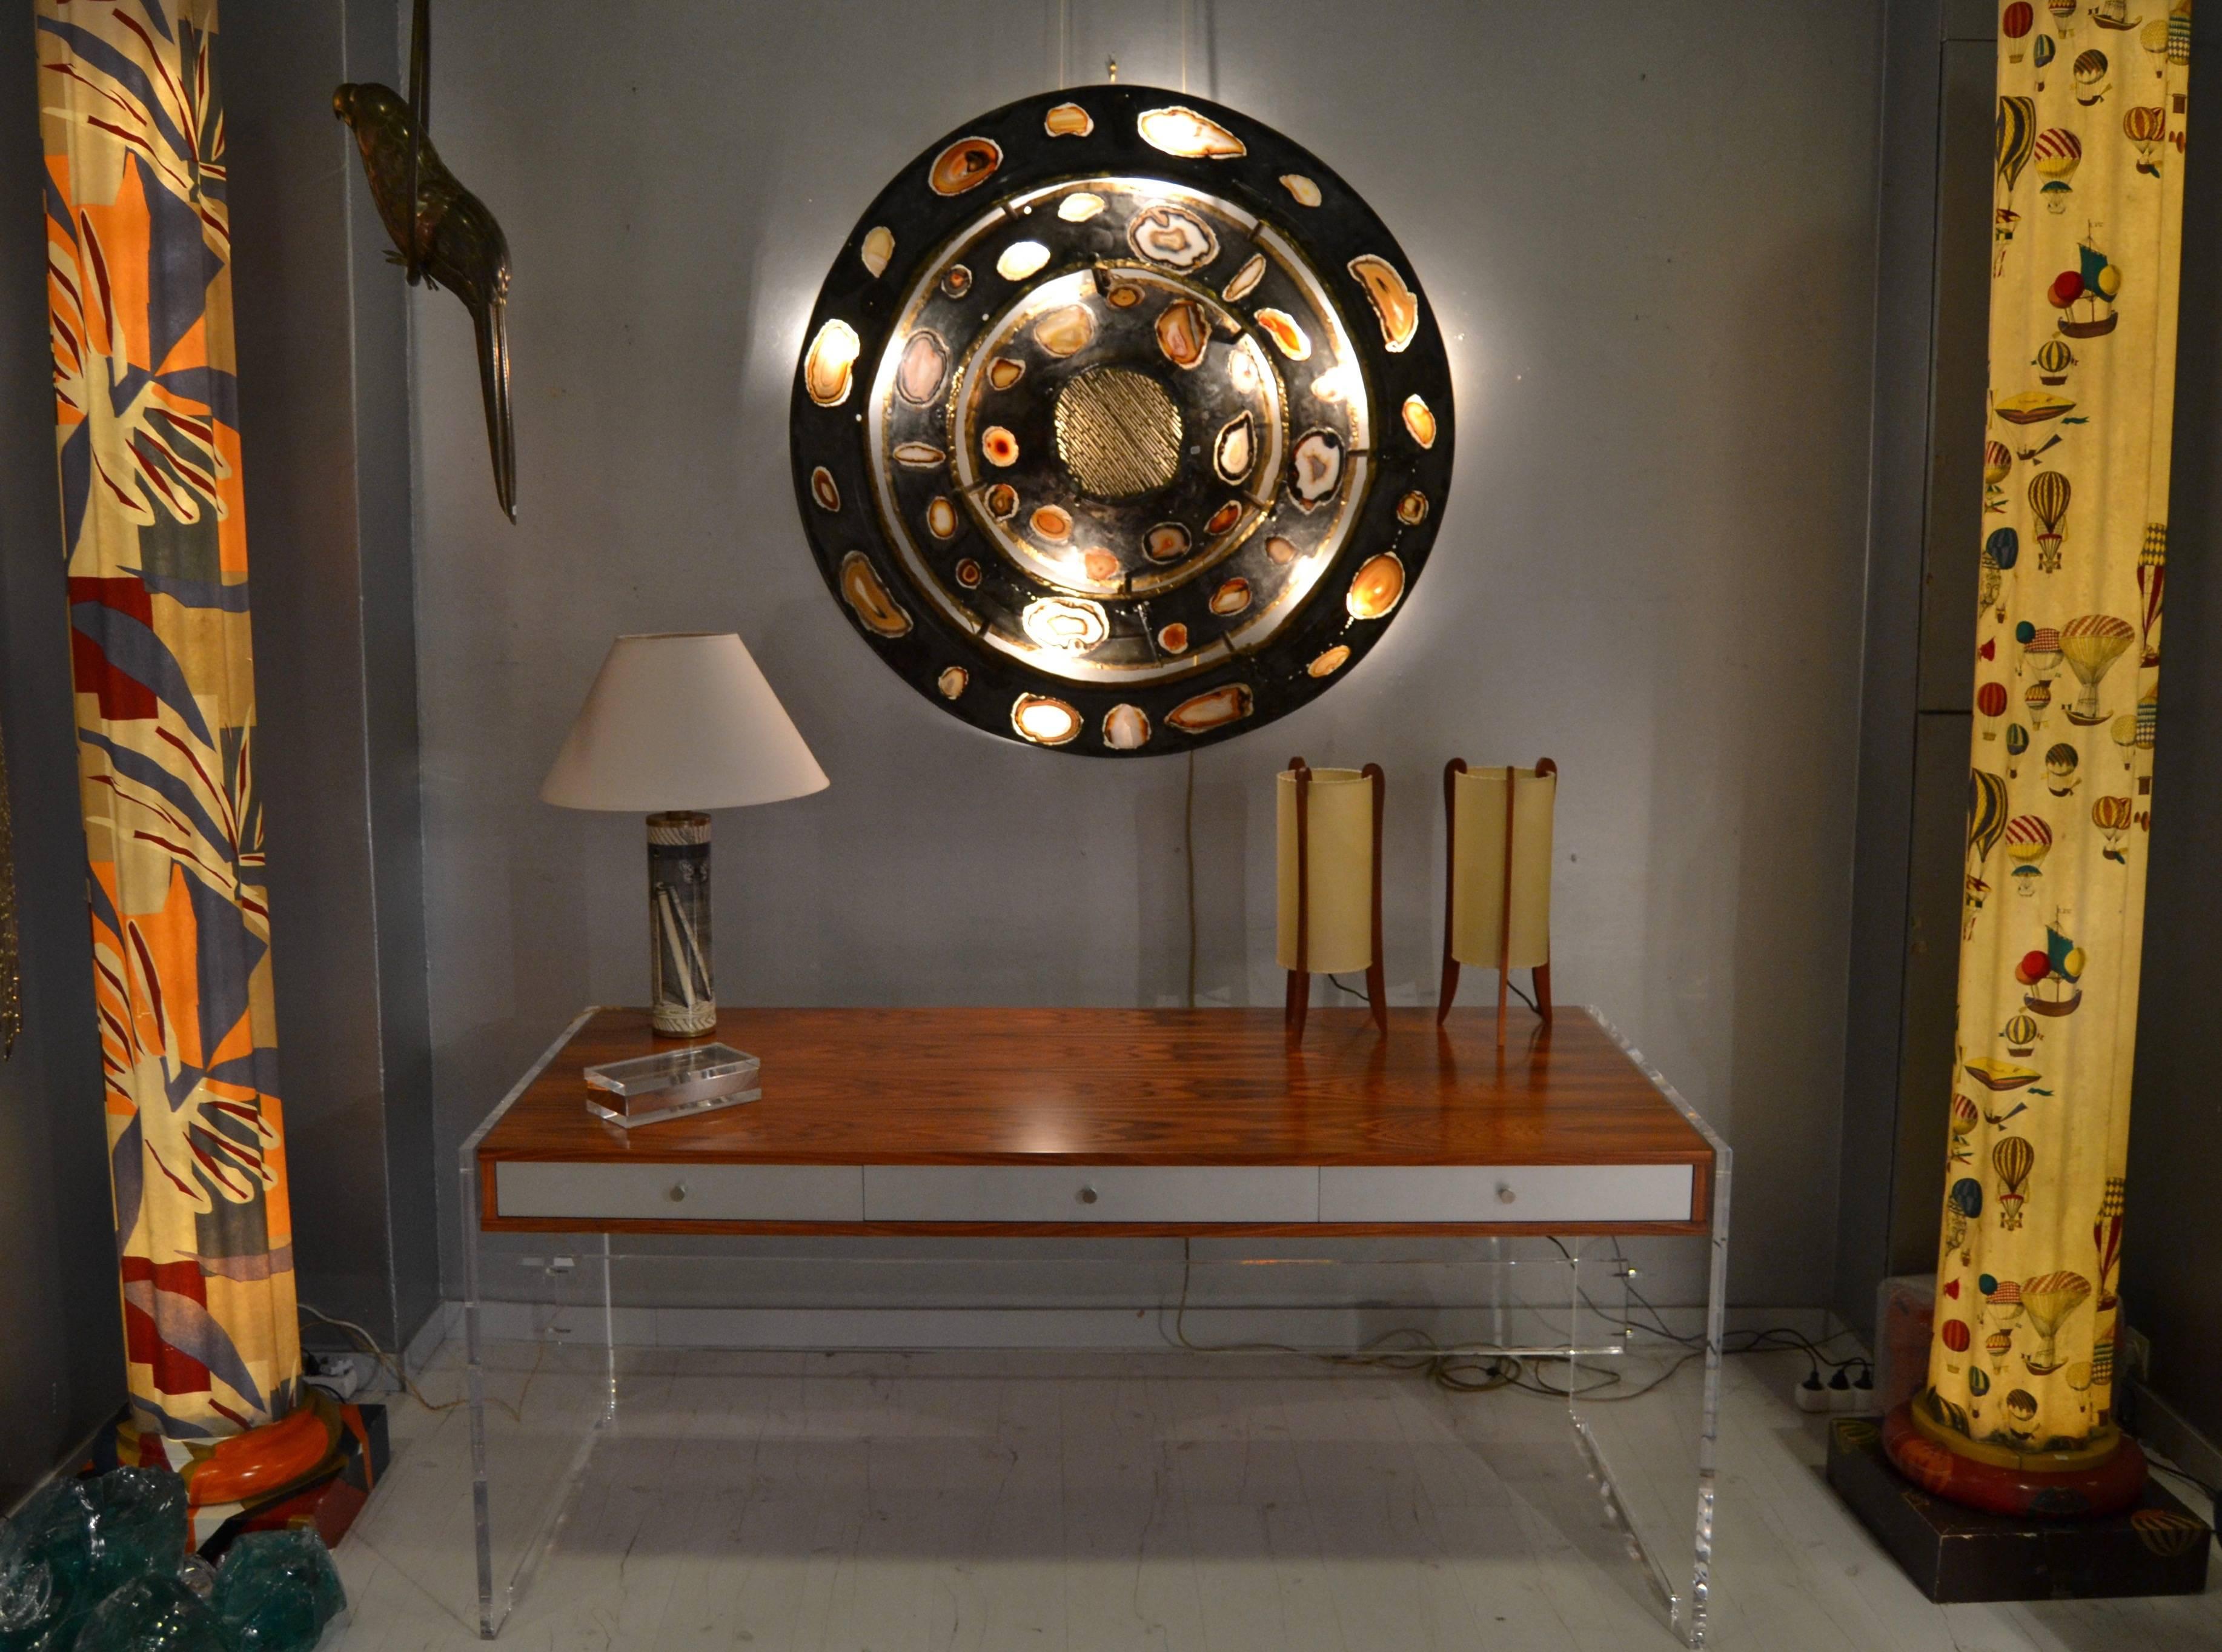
(1121, 424)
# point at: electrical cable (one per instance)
(1409, 1348)
(392, 1362)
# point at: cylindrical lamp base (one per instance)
(2110, 1477)
(682, 1003)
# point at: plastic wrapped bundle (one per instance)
(152, 1614)
(277, 1590)
(27, 1585)
(77, 1543)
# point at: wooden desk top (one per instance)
(1126, 1087)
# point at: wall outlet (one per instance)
(2137, 1354)
(341, 1375)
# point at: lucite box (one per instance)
(671, 1085)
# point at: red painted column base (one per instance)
(2107, 1486)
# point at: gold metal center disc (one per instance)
(1118, 432)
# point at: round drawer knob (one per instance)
(678, 1193)
(1504, 1193)
(1087, 1196)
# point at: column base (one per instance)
(1953, 1553)
(2101, 1481)
(315, 1466)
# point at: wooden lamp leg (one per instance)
(1542, 971)
(1376, 973)
(1504, 916)
(1448, 991)
(1300, 978)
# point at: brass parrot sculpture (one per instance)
(444, 234)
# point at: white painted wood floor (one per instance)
(882, 1503)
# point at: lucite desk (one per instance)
(1115, 1123)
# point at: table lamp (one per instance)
(1327, 865)
(1497, 888)
(676, 723)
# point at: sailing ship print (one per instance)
(2085, 295)
(2052, 976)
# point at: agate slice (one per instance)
(919, 374)
(1180, 131)
(826, 366)
(1246, 279)
(1171, 235)
(1228, 703)
(1419, 421)
(1231, 599)
(1125, 728)
(1182, 332)
(862, 587)
(1044, 720)
(1065, 331)
(1234, 451)
(966, 164)
(879, 247)
(1021, 258)
(1396, 305)
(1315, 468)
(1288, 337)
(1070, 622)
(1377, 587)
(1166, 542)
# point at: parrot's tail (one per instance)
(491, 322)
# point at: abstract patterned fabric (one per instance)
(2087, 242)
(140, 292)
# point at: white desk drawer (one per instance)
(680, 1192)
(1197, 1193)
(1570, 1193)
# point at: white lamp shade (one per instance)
(680, 720)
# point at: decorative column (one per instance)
(2018, 1414)
(139, 289)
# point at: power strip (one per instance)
(341, 1375)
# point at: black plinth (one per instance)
(1954, 1554)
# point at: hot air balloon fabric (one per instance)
(2049, 980)
(154, 532)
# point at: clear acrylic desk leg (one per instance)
(495, 1601)
(1687, 1608)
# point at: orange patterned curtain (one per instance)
(2088, 238)
(139, 285)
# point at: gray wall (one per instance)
(63, 1368)
(323, 332)
(2173, 1243)
(1650, 232)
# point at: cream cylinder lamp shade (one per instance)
(676, 723)
(1496, 893)
(1327, 878)
(1479, 934)
(1339, 859)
